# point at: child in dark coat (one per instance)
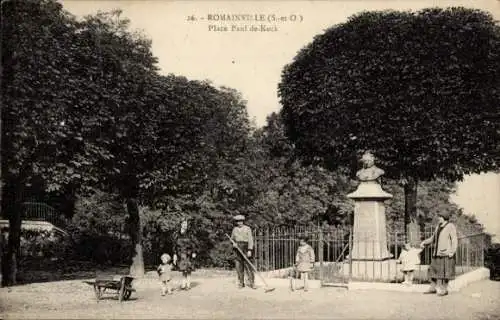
(185, 255)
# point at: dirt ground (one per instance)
(218, 298)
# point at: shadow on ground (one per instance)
(37, 271)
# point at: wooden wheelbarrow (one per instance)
(122, 287)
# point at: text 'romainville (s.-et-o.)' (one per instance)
(244, 22)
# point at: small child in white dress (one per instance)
(165, 273)
(409, 259)
(304, 262)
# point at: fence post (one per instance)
(483, 239)
(350, 251)
(467, 245)
(267, 245)
(396, 243)
(320, 253)
(255, 249)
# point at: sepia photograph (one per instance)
(257, 159)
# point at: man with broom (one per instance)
(243, 239)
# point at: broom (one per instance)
(266, 287)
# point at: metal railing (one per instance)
(275, 250)
(40, 211)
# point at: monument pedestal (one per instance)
(385, 271)
(370, 257)
(369, 231)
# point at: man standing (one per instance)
(242, 236)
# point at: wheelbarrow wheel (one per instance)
(98, 292)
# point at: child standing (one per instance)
(304, 261)
(409, 259)
(165, 272)
(185, 253)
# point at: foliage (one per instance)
(97, 229)
(105, 117)
(46, 244)
(98, 214)
(296, 194)
(47, 137)
(420, 89)
(222, 255)
(49, 102)
(103, 249)
(433, 198)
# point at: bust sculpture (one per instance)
(369, 172)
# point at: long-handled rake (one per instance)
(267, 288)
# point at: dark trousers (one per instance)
(242, 266)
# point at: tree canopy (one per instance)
(419, 89)
(47, 110)
(86, 95)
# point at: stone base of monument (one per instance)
(384, 271)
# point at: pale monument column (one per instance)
(369, 230)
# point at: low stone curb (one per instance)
(464, 280)
(455, 285)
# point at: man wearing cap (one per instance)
(242, 236)
(444, 246)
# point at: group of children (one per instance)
(165, 269)
(304, 264)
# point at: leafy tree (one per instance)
(123, 69)
(190, 179)
(433, 197)
(97, 229)
(104, 116)
(47, 131)
(294, 194)
(98, 213)
(418, 89)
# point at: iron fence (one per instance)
(275, 250)
(39, 211)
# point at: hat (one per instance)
(444, 214)
(239, 217)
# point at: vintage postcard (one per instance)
(252, 159)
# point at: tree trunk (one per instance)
(14, 238)
(412, 227)
(137, 267)
(2, 254)
(2, 213)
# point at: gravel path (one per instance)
(218, 298)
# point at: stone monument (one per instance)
(370, 257)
